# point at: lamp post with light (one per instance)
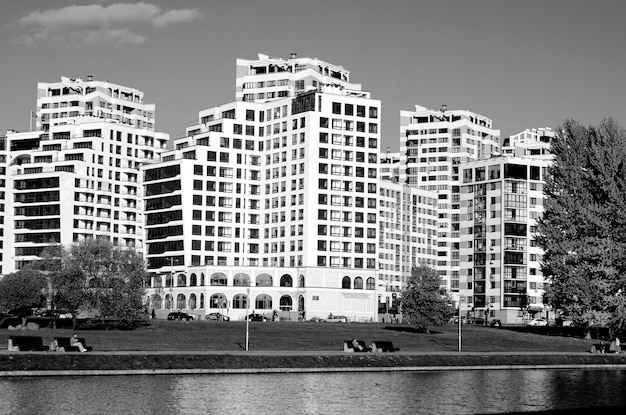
(247, 318)
(461, 299)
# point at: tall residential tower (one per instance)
(77, 175)
(271, 201)
(433, 144)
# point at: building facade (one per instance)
(433, 146)
(501, 200)
(270, 203)
(407, 221)
(77, 176)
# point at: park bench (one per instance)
(64, 344)
(383, 346)
(605, 347)
(349, 347)
(26, 343)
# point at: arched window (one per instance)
(370, 284)
(240, 301)
(193, 280)
(301, 281)
(181, 301)
(181, 281)
(286, 281)
(168, 301)
(263, 302)
(192, 301)
(219, 278)
(158, 281)
(264, 280)
(202, 279)
(358, 283)
(201, 300)
(301, 303)
(346, 283)
(218, 300)
(286, 303)
(169, 280)
(241, 280)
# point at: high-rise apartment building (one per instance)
(407, 221)
(77, 176)
(433, 144)
(532, 142)
(501, 200)
(270, 203)
(3, 191)
(390, 166)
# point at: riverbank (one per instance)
(218, 347)
(102, 363)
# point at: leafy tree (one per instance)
(95, 275)
(22, 290)
(424, 304)
(583, 229)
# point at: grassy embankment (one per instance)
(220, 345)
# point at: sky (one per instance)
(522, 63)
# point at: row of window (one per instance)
(219, 301)
(349, 109)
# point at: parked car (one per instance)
(256, 317)
(495, 323)
(217, 317)
(337, 319)
(179, 315)
(536, 322)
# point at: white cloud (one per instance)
(118, 23)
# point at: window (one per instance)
(218, 278)
(346, 283)
(264, 280)
(240, 301)
(263, 302)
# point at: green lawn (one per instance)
(163, 335)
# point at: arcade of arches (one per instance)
(219, 291)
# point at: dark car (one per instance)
(179, 315)
(495, 323)
(217, 316)
(256, 317)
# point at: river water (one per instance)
(447, 392)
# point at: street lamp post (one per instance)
(461, 298)
(247, 319)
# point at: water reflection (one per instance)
(456, 392)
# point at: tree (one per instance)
(424, 304)
(22, 291)
(95, 275)
(583, 229)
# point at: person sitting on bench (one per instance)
(356, 345)
(74, 341)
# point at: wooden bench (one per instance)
(349, 347)
(64, 344)
(383, 346)
(605, 347)
(26, 343)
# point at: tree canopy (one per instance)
(94, 275)
(583, 228)
(424, 304)
(22, 290)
